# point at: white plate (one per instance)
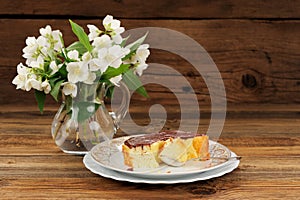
(109, 155)
(94, 167)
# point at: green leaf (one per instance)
(52, 81)
(81, 35)
(83, 113)
(55, 90)
(123, 43)
(77, 46)
(61, 40)
(133, 46)
(40, 97)
(68, 101)
(63, 72)
(128, 56)
(133, 83)
(112, 72)
(110, 91)
(47, 69)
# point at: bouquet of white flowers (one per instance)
(101, 56)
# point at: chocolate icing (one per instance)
(148, 139)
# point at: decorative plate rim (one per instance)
(101, 154)
(94, 167)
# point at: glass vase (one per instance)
(82, 122)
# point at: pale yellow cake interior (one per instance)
(181, 150)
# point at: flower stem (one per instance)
(59, 125)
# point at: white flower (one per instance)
(69, 89)
(47, 61)
(117, 39)
(140, 68)
(53, 38)
(142, 53)
(103, 41)
(105, 58)
(111, 56)
(46, 86)
(86, 57)
(32, 82)
(74, 55)
(115, 80)
(31, 47)
(139, 59)
(93, 66)
(42, 42)
(77, 72)
(22, 70)
(21, 78)
(57, 37)
(112, 25)
(38, 63)
(34, 49)
(19, 81)
(25, 80)
(46, 31)
(91, 78)
(94, 32)
(54, 67)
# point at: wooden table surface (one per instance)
(266, 136)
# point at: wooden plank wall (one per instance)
(255, 44)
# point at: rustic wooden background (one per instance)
(255, 44)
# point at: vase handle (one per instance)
(121, 112)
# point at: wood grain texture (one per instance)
(255, 45)
(152, 9)
(258, 59)
(32, 167)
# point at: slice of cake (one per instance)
(148, 151)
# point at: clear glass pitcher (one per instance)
(84, 121)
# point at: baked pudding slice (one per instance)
(148, 151)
